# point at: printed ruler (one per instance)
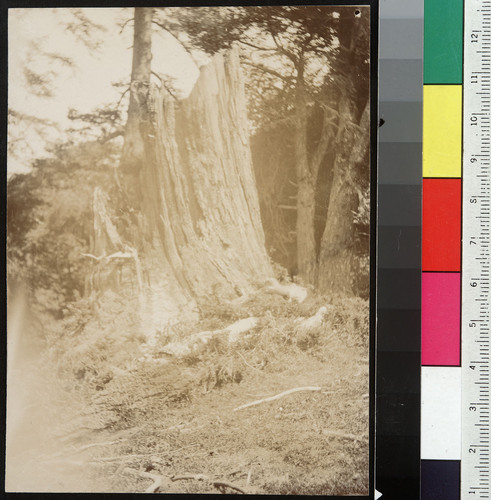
(476, 299)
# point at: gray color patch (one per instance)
(397, 9)
(401, 39)
(399, 247)
(399, 289)
(407, 324)
(399, 205)
(403, 121)
(400, 162)
(401, 80)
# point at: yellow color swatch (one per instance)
(442, 127)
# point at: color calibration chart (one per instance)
(455, 312)
(398, 355)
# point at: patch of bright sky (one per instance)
(89, 84)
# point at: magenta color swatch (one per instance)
(440, 319)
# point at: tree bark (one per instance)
(133, 150)
(306, 180)
(199, 208)
(338, 257)
(337, 262)
(194, 221)
(200, 188)
(306, 247)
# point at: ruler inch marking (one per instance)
(476, 222)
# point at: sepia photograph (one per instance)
(189, 250)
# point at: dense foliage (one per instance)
(49, 222)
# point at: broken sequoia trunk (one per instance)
(199, 231)
(199, 187)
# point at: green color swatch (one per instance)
(443, 43)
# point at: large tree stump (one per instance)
(195, 224)
(198, 185)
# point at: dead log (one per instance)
(291, 291)
(313, 322)
(195, 341)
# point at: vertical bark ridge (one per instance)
(337, 257)
(206, 201)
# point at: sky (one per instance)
(88, 84)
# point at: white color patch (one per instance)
(440, 412)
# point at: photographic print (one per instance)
(188, 250)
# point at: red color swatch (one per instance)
(440, 319)
(441, 224)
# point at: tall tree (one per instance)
(141, 70)
(306, 56)
(338, 254)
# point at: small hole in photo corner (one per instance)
(357, 13)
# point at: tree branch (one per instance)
(157, 75)
(260, 67)
(307, 42)
(256, 46)
(280, 48)
(181, 43)
(125, 23)
(118, 132)
(122, 96)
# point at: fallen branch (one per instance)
(308, 324)
(278, 396)
(290, 291)
(155, 486)
(241, 326)
(157, 480)
(343, 435)
(197, 340)
(116, 255)
(196, 477)
(220, 485)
